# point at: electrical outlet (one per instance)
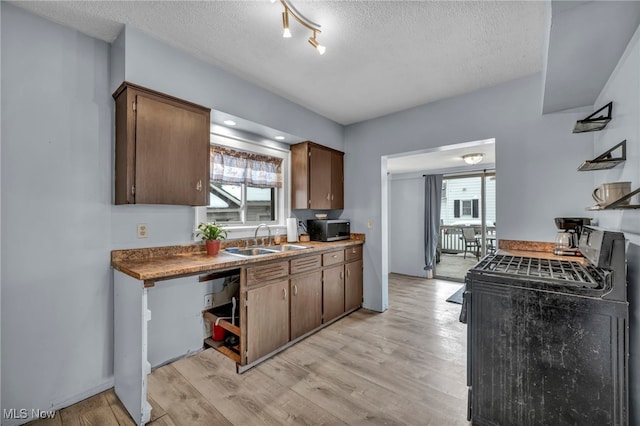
(370, 224)
(143, 230)
(208, 301)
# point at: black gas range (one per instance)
(548, 338)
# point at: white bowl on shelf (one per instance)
(321, 216)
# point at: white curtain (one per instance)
(236, 167)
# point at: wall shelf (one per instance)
(606, 159)
(617, 204)
(593, 123)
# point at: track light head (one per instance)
(321, 49)
(285, 24)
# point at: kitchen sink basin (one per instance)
(287, 247)
(262, 250)
(250, 252)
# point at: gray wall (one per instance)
(623, 88)
(59, 224)
(56, 222)
(536, 159)
(406, 226)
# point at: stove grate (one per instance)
(564, 272)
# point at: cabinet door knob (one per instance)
(284, 294)
(328, 195)
(341, 275)
(295, 289)
(199, 185)
(331, 197)
(348, 273)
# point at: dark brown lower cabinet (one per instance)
(353, 285)
(333, 292)
(306, 303)
(267, 319)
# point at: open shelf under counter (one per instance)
(231, 352)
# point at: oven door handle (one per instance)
(466, 296)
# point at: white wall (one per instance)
(58, 221)
(623, 88)
(536, 159)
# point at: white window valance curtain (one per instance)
(237, 167)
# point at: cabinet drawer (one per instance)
(353, 253)
(271, 271)
(333, 258)
(305, 264)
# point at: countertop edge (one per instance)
(194, 262)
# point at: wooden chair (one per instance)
(470, 241)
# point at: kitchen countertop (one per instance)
(539, 249)
(539, 254)
(161, 263)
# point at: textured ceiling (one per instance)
(381, 57)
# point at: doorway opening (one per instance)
(467, 223)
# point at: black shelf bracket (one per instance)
(619, 203)
(593, 123)
(606, 160)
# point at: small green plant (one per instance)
(211, 231)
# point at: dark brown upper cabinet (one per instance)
(162, 148)
(317, 177)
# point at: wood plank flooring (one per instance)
(405, 366)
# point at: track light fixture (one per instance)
(289, 8)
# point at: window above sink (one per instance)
(241, 208)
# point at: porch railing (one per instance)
(451, 240)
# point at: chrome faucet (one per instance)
(255, 236)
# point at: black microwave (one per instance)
(329, 229)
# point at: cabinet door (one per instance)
(332, 292)
(306, 303)
(337, 180)
(267, 319)
(353, 285)
(172, 153)
(319, 178)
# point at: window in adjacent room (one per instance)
(466, 208)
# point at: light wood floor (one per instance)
(405, 366)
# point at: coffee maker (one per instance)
(568, 235)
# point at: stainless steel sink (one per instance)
(287, 247)
(262, 250)
(250, 252)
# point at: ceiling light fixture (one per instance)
(279, 138)
(229, 122)
(315, 28)
(472, 158)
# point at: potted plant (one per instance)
(211, 234)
